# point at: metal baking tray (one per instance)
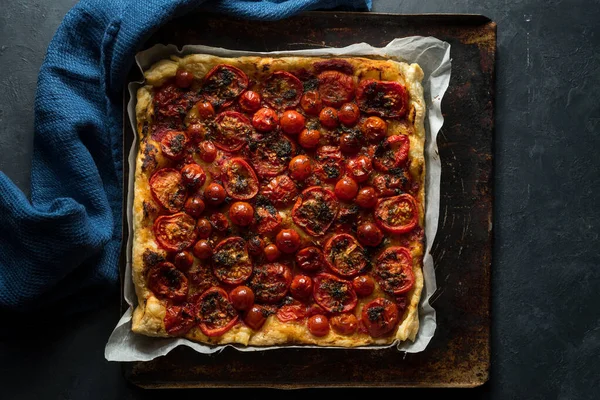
(459, 353)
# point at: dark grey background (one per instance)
(546, 269)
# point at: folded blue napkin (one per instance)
(63, 245)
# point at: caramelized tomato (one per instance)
(175, 232)
(270, 282)
(311, 103)
(167, 282)
(349, 114)
(344, 324)
(215, 312)
(385, 99)
(369, 234)
(391, 153)
(309, 138)
(179, 319)
(242, 298)
(310, 259)
(166, 186)
(255, 317)
(300, 167)
(394, 270)
(344, 255)
(380, 317)
(193, 176)
(292, 122)
(174, 145)
(230, 261)
(397, 214)
(265, 120)
(241, 213)
(249, 101)
(334, 294)
(223, 84)
(281, 191)
(335, 88)
(240, 180)
(233, 129)
(315, 210)
(282, 90)
(318, 325)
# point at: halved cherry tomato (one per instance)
(328, 117)
(364, 285)
(270, 157)
(330, 163)
(291, 312)
(394, 270)
(318, 325)
(302, 287)
(230, 261)
(281, 191)
(369, 234)
(310, 259)
(242, 298)
(256, 316)
(311, 103)
(366, 197)
(385, 99)
(214, 194)
(205, 109)
(240, 180)
(359, 168)
(300, 167)
(288, 241)
(265, 120)
(167, 282)
(292, 122)
(315, 210)
(183, 260)
(309, 138)
(266, 217)
(241, 213)
(397, 214)
(344, 255)
(282, 90)
(334, 294)
(179, 319)
(174, 144)
(380, 317)
(249, 101)
(374, 129)
(349, 114)
(346, 189)
(184, 78)
(335, 88)
(193, 175)
(233, 129)
(215, 312)
(166, 186)
(270, 282)
(344, 324)
(175, 232)
(223, 84)
(194, 205)
(391, 153)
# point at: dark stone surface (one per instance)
(546, 327)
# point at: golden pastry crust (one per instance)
(149, 314)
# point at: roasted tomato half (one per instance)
(167, 282)
(344, 255)
(270, 282)
(174, 145)
(330, 163)
(175, 232)
(166, 186)
(171, 102)
(266, 217)
(271, 155)
(334, 294)
(230, 261)
(394, 270)
(391, 153)
(380, 317)
(233, 130)
(335, 88)
(385, 99)
(293, 311)
(215, 312)
(281, 191)
(310, 259)
(397, 214)
(179, 319)
(315, 210)
(240, 180)
(282, 90)
(223, 84)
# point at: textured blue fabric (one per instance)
(66, 241)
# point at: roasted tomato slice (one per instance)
(266, 217)
(168, 190)
(394, 270)
(330, 163)
(334, 294)
(223, 84)
(171, 102)
(271, 155)
(282, 90)
(397, 214)
(175, 232)
(344, 324)
(233, 129)
(335, 88)
(310, 259)
(240, 180)
(215, 312)
(380, 317)
(293, 311)
(270, 282)
(386, 99)
(201, 276)
(390, 185)
(315, 210)
(281, 191)
(231, 262)
(344, 255)
(167, 282)
(391, 153)
(174, 145)
(179, 319)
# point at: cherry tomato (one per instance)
(193, 175)
(205, 109)
(214, 194)
(233, 130)
(281, 191)
(350, 143)
(364, 285)
(394, 270)
(335, 88)
(184, 78)
(167, 282)
(202, 250)
(369, 234)
(265, 120)
(272, 252)
(270, 282)
(380, 317)
(249, 101)
(344, 255)
(266, 219)
(391, 153)
(223, 84)
(300, 167)
(310, 259)
(349, 114)
(241, 213)
(240, 180)
(344, 324)
(194, 205)
(242, 298)
(315, 210)
(215, 312)
(287, 241)
(334, 294)
(366, 197)
(282, 90)
(309, 138)
(397, 214)
(359, 168)
(166, 186)
(301, 287)
(271, 157)
(328, 117)
(346, 189)
(330, 163)
(179, 319)
(318, 325)
(196, 132)
(219, 222)
(374, 129)
(208, 151)
(174, 144)
(183, 260)
(175, 232)
(385, 99)
(293, 311)
(203, 228)
(292, 122)
(231, 262)
(311, 103)
(255, 317)
(256, 246)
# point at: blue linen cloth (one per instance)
(65, 243)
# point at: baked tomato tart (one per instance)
(279, 201)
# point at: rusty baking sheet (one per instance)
(459, 353)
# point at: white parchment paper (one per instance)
(433, 56)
